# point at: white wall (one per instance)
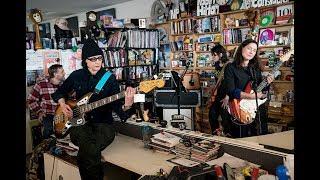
(131, 9)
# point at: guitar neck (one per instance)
(264, 82)
(104, 101)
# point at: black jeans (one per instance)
(47, 126)
(214, 112)
(91, 140)
(253, 129)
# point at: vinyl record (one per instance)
(265, 20)
(266, 36)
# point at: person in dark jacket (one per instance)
(98, 132)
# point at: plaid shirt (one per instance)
(40, 100)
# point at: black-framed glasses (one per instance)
(95, 58)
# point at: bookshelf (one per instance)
(131, 53)
(239, 30)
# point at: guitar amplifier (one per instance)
(169, 99)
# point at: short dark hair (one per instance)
(218, 48)
(53, 69)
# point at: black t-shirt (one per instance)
(237, 78)
(82, 82)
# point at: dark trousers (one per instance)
(214, 112)
(47, 126)
(258, 127)
(236, 130)
(91, 140)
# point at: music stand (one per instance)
(178, 119)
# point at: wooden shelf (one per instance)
(183, 51)
(205, 68)
(204, 33)
(235, 44)
(182, 34)
(276, 46)
(203, 51)
(277, 25)
(206, 42)
(281, 69)
(199, 17)
(281, 81)
(239, 27)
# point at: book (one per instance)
(266, 37)
(284, 13)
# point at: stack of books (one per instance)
(204, 151)
(183, 151)
(164, 141)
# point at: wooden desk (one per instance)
(284, 140)
(129, 153)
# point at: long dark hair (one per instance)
(238, 59)
(218, 48)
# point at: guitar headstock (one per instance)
(286, 56)
(147, 86)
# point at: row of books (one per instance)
(117, 39)
(115, 58)
(143, 39)
(231, 36)
(209, 24)
(183, 26)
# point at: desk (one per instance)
(125, 152)
(284, 140)
(129, 153)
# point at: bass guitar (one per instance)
(243, 111)
(62, 123)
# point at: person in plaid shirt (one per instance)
(40, 100)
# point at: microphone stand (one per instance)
(178, 91)
(254, 87)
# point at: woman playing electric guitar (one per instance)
(238, 75)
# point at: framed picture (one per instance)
(73, 24)
(44, 30)
(107, 16)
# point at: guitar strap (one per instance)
(102, 81)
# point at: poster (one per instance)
(69, 61)
(34, 60)
(107, 16)
(50, 57)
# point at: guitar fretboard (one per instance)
(264, 82)
(101, 102)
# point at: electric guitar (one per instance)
(62, 123)
(243, 111)
(214, 91)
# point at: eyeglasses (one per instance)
(95, 58)
(251, 49)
